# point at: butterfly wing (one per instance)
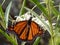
(34, 30)
(30, 36)
(23, 35)
(18, 28)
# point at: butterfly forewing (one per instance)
(19, 26)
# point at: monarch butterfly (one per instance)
(26, 30)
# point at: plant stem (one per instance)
(22, 8)
(48, 4)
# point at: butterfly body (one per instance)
(26, 30)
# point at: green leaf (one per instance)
(3, 2)
(22, 8)
(55, 12)
(41, 7)
(3, 24)
(1, 13)
(7, 13)
(8, 37)
(2, 19)
(37, 41)
(23, 43)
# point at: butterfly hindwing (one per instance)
(23, 35)
(30, 36)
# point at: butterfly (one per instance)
(26, 30)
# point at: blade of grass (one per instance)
(23, 43)
(22, 8)
(7, 13)
(1, 13)
(8, 37)
(13, 36)
(41, 7)
(48, 5)
(3, 2)
(54, 10)
(59, 7)
(2, 24)
(2, 21)
(57, 22)
(37, 41)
